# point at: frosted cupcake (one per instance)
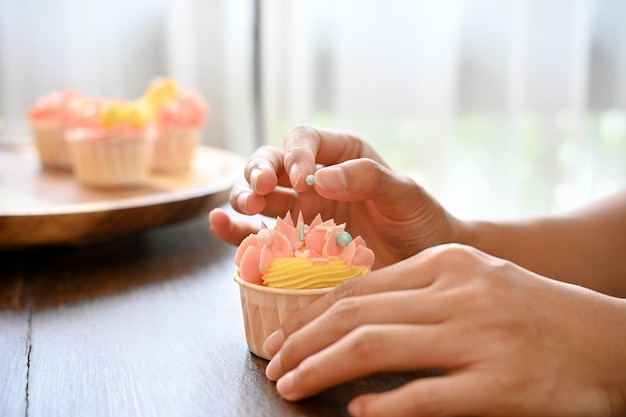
(113, 146)
(48, 120)
(281, 270)
(179, 116)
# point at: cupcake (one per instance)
(281, 270)
(179, 116)
(111, 144)
(48, 120)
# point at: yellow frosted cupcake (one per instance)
(179, 116)
(112, 145)
(281, 270)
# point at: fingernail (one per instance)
(331, 179)
(274, 369)
(254, 176)
(242, 201)
(294, 175)
(274, 341)
(285, 385)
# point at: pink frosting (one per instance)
(56, 106)
(87, 114)
(188, 109)
(257, 251)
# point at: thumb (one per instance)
(364, 179)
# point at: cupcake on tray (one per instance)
(179, 116)
(281, 270)
(111, 144)
(48, 120)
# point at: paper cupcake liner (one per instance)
(112, 163)
(51, 147)
(174, 149)
(264, 309)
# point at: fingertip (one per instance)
(255, 173)
(301, 148)
(359, 180)
(274, 369)
(263, 182)
(240, 203)
(219, 223)
(331, 179)
(247, 202)
(228, 229)
(286, 386)
(296, 175)
(274, 342)
(355, 407)
(216, 216)
(255, 204)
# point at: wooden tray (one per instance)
(40, 207)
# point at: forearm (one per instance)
(586, 247)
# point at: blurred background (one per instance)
(499, 108)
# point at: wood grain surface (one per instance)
(148, 324)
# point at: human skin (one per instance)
(373, 205)
(398, 218)
(510, 341)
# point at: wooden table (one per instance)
(147, 325)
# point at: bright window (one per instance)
(499, 108)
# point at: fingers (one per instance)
(263, 169)
(228, 230)
(301, 146)
(394, 307)
(275, 204)
(417, 272)
(245, 201)
(449, 395)
(267, 190)
(367, 350)
(306, 146)
(305, 149)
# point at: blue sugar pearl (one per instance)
(343, 239)
(310, 180)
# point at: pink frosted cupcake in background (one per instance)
(112, 144)
(179, 117)
(48, 119)
(281, 270)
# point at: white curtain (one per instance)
(115, 47)
(499, 108)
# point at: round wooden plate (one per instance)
(39, 207)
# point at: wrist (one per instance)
(471, 233)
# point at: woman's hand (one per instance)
(353, 184)
(509, 342)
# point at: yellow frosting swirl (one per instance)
(123, 115)
(160, 91)
(304, 273)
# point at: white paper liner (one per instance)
(264, 309)
(112, 163)
(174, 149)
(51, 147)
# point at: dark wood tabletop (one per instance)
(148, 324)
